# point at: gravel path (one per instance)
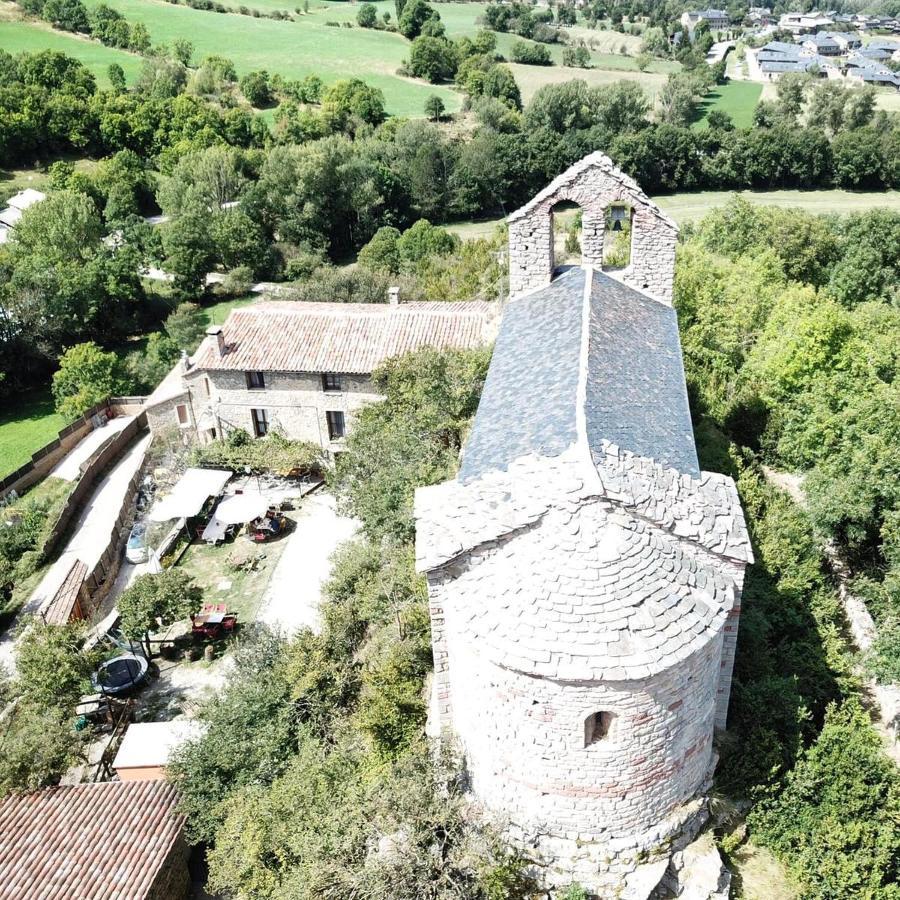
(292, 598)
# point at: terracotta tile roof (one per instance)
(352, 338)
(103, 841)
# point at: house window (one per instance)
(336, 427)
(206, 388)
(260, 422)
(182, 413)
(256, 381)
(597, 726)
(331, 383)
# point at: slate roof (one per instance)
(104, 841)
(351, 338)
(635, 394)
(528, 401)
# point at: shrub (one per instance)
(531, 54)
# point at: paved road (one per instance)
(69, 468)
(291, 601)
(89, 534)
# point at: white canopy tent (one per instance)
(186, 499)
(240, 508)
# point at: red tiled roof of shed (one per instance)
(351, 338)
(103, 841)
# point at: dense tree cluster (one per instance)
(791, 347)
(324, 734)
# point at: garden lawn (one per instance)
(737, 98)
(293, 49)
(27, 423)
(18, 36)
(217, 313)
(243, 591)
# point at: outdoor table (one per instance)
(215, 531)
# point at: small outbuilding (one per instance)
(147, 747)
(117, 840)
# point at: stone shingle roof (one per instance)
(351, 338)
(103, 841)
(528, 401)
(635, 393)
(608, 598)
(613, 583)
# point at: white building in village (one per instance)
(303, 369)
(584, 575)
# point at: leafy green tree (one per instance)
(251, 734)
(432, 58)
(86, 375)
(256, 88)
(51, 669)
(190, 249)
(434, 108)
(69, 15)
(182, 50)
(858, 159)
(186, 326)
(211, 177)
(410, 439)
(500, 82)
(413, 17)
(154, 600)
(37, 746)
(577, 57)
(367, 15)
(240, 242)
(423, 240)
(835, 822)
(116, 75)
(531, 54)
(352, 99)
(382, 253)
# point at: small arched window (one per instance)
(597, 727)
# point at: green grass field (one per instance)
(19, 36)
(26, 428)
(737, 98)
(294, 49)
(308, 45)
(689, 207)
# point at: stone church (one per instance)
(584, 575)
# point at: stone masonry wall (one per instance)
(296, 404)
(594, 184)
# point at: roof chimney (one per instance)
(216, 332)
(394, 296)
(185, 361)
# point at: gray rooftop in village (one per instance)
(635, 388)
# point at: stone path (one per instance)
(292, 598)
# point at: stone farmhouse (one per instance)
(584, 574)
(303, 369)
